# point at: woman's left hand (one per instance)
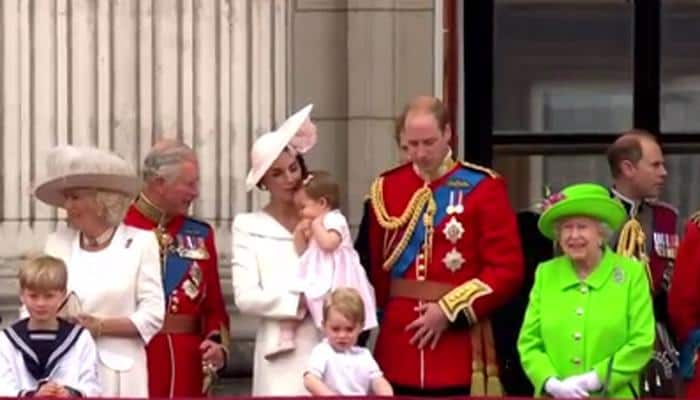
(212, 354)
(91, 323)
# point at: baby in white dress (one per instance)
(328, 259)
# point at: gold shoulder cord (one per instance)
(409, 216)
(632, 243)
(487, 171)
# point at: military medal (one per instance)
(196, 273)
(455, 208)
(453, 260)
(665, 244)
(192, 247)
(190, 289)
(453, 231)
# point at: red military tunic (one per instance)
(658, 221)
(194, 302)
(474, 265)
(684, 303)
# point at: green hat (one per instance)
(583, 199)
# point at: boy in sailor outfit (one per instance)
(44, 355)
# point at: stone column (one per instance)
(120, 73)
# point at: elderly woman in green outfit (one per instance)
(589, 326)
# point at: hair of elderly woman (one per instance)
(165, 158)
(114, 205)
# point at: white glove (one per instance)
(564, 390)
(588, 381)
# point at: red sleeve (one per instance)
(683, 297)
(213, 307)
(499, 252)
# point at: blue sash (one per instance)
(687, 354)
(462, 180)
(177, 266)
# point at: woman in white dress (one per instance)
(265, 263)
(113, 269)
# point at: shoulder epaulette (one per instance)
(395, 169)
(695, 218)
(665, 205)
(487, 171)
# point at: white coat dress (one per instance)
(265, 284)
(121, 280)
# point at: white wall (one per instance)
(120, 73)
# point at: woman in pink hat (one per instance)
(265, 263)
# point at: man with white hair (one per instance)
(184, 357)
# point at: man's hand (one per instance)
(429, 326)
(62, 391)
(212, 354)
(50, 388)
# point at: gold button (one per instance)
(579, 311)
(577, 336)
(576, 360)
(584, 289)
(173, 308)
(421, 267)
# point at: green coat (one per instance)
(572, 326)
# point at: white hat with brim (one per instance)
(70, 167)
(270, 145)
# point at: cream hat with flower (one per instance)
(297, 133)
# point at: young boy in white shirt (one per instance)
(43, 355)
(337, 366)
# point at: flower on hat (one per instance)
(581, 200)
(551, 200)
(305, 138)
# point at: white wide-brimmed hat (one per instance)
(296, 133)
(72, 167)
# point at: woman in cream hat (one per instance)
(113, 269)
(589, 326)
(265, 264)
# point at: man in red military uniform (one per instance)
(684, 304)
(651, 236)
(445, 252)
(639, 173)
(184, 357)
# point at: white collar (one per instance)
(633, 204)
